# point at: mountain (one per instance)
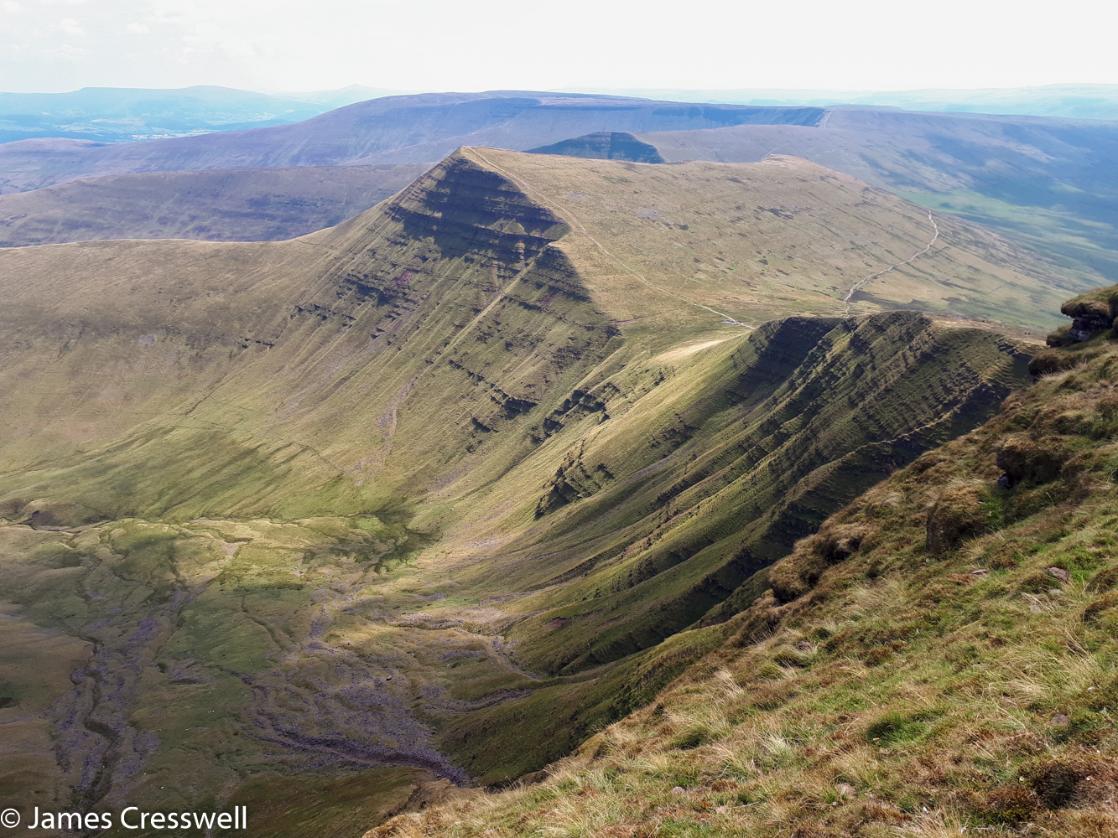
(249, 185)
(1046, 183)
(394, 129)
(938, 658)
(358, 516)
(1049, 183)
(227, 205)
(681, 251)
(117, 114)
(1056, 101)
(604, 145)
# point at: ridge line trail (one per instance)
(861, 283)
(616, 259)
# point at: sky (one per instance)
(413, 45)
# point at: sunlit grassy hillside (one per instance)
(425, 499)
(939, 659)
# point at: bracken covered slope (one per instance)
(938, 659)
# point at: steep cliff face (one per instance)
(685, 499)
(394, 497)
(334, 350)
(465, 208)
(938, 658)
(664, 492)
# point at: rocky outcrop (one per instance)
(1027, 460)
(957, 515)
(1091, 314)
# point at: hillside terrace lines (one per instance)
(329, 705)
(876, 642)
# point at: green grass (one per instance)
(1074, 242)
(304, 517)
(891, 691)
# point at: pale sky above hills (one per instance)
(53, 45)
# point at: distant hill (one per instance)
(230, 205)
(395, 129)
(1049, 183)
(119, 114)
(1059, 101)
(605, 145)
(1052, 183)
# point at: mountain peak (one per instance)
(606, 145)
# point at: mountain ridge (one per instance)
(966, 599)
(1044, 182)
(400, 129)
(389, 495)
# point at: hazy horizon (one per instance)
(63, 45)
(649, 92)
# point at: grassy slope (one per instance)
(781, 237)
(176, 381)
(940, 657)
(677, 503)
(718, 482)
(415, 375)
(253, 205)
(1047, 183)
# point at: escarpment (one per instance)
(801, 418)
(657, 523)
(465, 209)
(449, 301)
(516, 445)
(916, 619)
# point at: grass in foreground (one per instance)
(939, 659)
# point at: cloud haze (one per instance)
(284, 45)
